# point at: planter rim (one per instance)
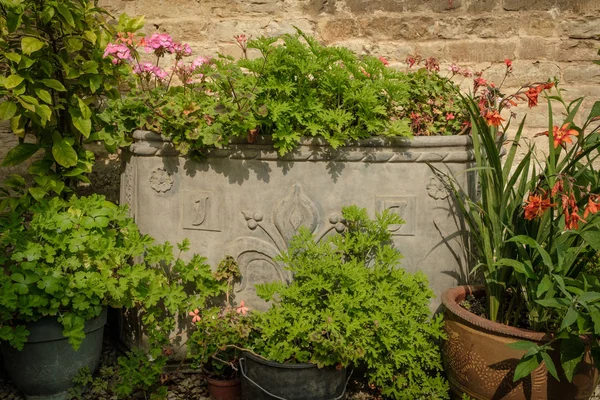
(375, 141)
(453, 296)
(378, 149)
(223, 382)
(278, 364)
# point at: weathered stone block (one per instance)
(370, 6)
(535, 48)
(398, 28)
(320, 6)
(525, 5)
(483, 5)
(338, 29)
(524, 72)
(578, 50)
(582, 28)
(247, 202)
(480, 50)
(536, 24)
(180, 29)
(582, 73)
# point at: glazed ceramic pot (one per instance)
(480, 363)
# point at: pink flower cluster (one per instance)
(149, 70)
(119, 52)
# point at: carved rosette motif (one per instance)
(436, 189)
(160, 180)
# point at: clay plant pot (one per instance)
(480, 364)
(224, 389)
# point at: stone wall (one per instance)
(545, 38)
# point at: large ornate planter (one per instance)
(479, 362)
(247, 202)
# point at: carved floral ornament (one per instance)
(436, 189)
(256, 255)
(160, 180)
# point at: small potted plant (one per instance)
(220, 334)
(535, 229)
(348, 305)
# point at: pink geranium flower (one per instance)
(119, 52)
(195, 315)
(242, 309)
(159, 43)
(200, 61)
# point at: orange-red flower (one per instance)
(532, 95)
(493, 118)
(561, 135)
(572, 219)
(535, 206)
(384, 61)
(593, 205)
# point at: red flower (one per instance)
(508, 63)
(493, 118)
(384, 61)
(479, 82)
(536, 206)
(450, 117)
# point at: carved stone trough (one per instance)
(248, 202)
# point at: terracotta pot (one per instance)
(224, 389)
(479, 362)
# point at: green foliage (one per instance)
(350, 304)
(70, 258)
(295, 88)
(54, 79)
(221, 332)
(541, 252)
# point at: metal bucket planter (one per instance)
(479, 363)
(247, 201)
(45, 368)
(268, 380)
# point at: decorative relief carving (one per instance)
(436, 188)
(255, 255)
(293, 211)
(198, 211)
(406, 207)
(128, 186)
(160, 180)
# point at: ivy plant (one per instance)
(350, 304)
(54, 79)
